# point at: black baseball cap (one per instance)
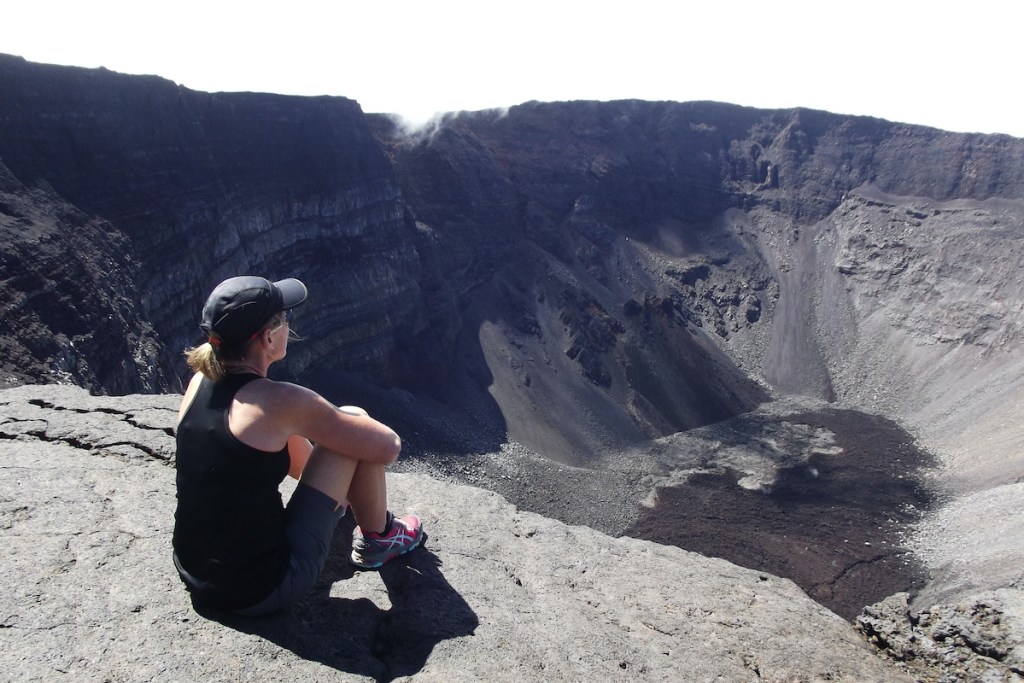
(239, 307)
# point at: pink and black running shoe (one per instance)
(371, 550)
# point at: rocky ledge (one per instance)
(86, 509)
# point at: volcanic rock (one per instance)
(590, 308)
(496, 593)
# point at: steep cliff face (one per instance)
(557, 327)
(198, 187)
(71, 310)
(579, 276)
(632, 243)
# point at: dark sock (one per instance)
(387, 525)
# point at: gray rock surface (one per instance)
(977, 640)
(86, 509)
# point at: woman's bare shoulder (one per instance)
(288, 396)
(190, 393)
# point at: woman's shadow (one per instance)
(357, 636)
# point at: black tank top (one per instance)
(229, 529)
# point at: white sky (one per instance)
(951, 65)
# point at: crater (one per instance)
(833, 524)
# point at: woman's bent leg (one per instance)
(368, 496)
(329, 472)
(363, 483)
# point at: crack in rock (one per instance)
(95, 439)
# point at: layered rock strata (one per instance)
(193, 188)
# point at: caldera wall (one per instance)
(578, 277)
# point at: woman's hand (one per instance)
(354, 410)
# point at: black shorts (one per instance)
(310, 519)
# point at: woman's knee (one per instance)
(329, 472)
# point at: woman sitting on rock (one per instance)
(235, 544)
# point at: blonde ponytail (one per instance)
(206, 359)
(203, 359)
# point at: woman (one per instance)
(235, 545)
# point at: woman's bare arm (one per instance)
(299, 449)
(348, 430)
